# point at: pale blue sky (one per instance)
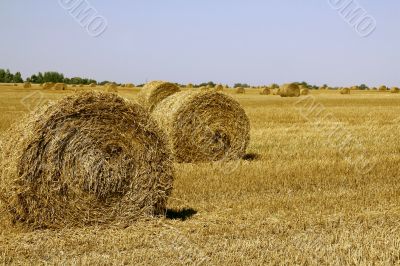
(226, 41)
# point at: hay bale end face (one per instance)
(60, 86)
(304, 91)
(92, 158)
(219, 87)
(156, 91)
(204, 126)
(240, 90)
(265, 91)
(289, 90)
(345, 91)
(27, 85)
(112, 88)
(395, 90)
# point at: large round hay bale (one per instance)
(129, 85)
(27, 85)
(204, 126)
(394, 90)
(156, 91)
(91, 158)
(265, 91)
(289, 90)
(240, 90)
(383, 88)
(112, 88)
(344, 91)
(60, 86)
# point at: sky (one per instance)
(192, 41)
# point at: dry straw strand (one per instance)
(204, 126)
(156, 91)
(91, 158)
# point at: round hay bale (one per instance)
(204, 126)
(383, 88)
(240, 90)
(93, 85)
(60, 86)
(289, 90)
(48, 85)
(394, 90)
(129, 85)
(27, 85)
(304, 91)
(112, 88)
(189, 86)
(91, 158)
(219, 87)
(344, 91)
(265, 91)
(156, 91)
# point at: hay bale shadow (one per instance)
(182, 214)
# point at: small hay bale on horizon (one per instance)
(219, 87)
(289, 90)
(394, 90)
(27, 85)
(265, 91)
(112, 88)
(48, 85)
(204, 126)
(304, 91)
(240, 90)
(129, 85)
(60, 86)
(156, 91)
(89, 159)
(383, 88)
(345, 91)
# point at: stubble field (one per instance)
(320, 185)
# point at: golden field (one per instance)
(298, 198)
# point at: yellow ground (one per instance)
(320, 186)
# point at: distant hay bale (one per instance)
(129, 85)
(265, 91)
(27, 85)
(60, 86)
(112, 88)
(189, 86)
(80, 85)
(91, 158)
(290, 90)
(383, 88)
(156, 91)
(204, 126)
(15, 84)
(344, 91)
(394, 90)
(240, 90)
(48, 85)
(219, 87)
(92, 85)
(304, 91)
